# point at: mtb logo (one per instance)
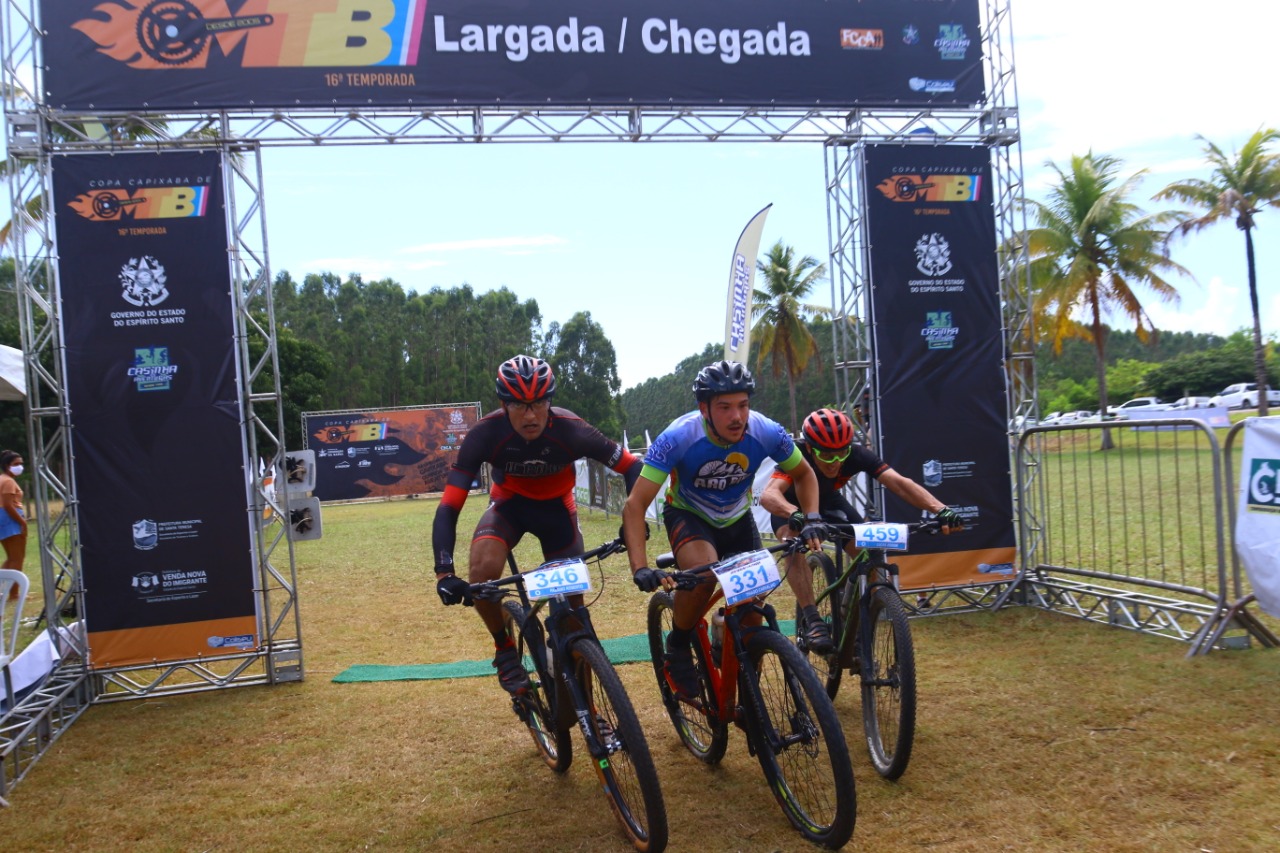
(151, 203)
(1264, 485)
(168, 34)
(916, 188)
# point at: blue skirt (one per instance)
(9, 527)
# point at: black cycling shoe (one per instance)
(817, 636)
(511, 672)
(681, 672)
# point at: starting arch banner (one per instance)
(256, 54)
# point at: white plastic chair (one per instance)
(9, 631)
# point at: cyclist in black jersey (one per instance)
(829, 449)
(530, 446)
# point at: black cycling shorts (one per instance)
(684, 526)
(554, 522)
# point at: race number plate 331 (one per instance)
(559, 577)
(748, 575)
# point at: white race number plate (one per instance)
(748, 575)
(891, 537)
(559, 577)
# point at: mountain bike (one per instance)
(871, 634)
(755, 678)
(571, 679)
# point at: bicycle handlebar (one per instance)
(689, 578)
(844, 529)
(492, 590)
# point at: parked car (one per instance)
(1050, 419)
(1137, 404)
(1189, 403)
(1080, 417)
(1243, 395)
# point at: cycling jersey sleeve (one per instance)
(790, 463)
(444, 528)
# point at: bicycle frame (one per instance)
(862, 566)
(724, 673)
(569, 695)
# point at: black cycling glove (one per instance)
(453, 590)
(949, 520)
(647, 579)
(796, 521)
(814, 528)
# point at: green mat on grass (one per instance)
(632, 649)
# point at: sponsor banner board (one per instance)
(149, 323)
(1257, 534)
(256, 54)
(938, 347)
(386, 453)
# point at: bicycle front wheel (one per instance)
(888, 672)
(799, 741)
(832, 612)
(699, 728)
(536, 708)
(621, 758)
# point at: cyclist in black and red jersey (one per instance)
(530, 447)
(829, 449)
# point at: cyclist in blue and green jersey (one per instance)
(711, 456)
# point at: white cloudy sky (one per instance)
(641, 235)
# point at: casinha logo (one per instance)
(1264, 485)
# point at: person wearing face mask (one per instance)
(13, 521)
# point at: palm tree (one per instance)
(1240, 186)
(781, 329)
(1090, 246)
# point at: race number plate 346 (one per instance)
(560, 577)
(748, 575)
(890, 537)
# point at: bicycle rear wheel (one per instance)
(888, 684)
(704, 735)
(622, 762)
(830, 609)
(799, 741)
(536, 708)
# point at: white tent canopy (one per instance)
(13, 374)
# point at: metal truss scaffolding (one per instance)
(35, 134)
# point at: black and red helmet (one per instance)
(722, 377)
(829, 429)
(524, 379)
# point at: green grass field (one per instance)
(1036, 732)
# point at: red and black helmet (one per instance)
(525, 379)
(828, 429)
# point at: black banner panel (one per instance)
(149, 323)
(938, 348)
(378, 454)
(253, 54)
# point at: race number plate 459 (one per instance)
(748, 575)
(560, 577)
(890, 537)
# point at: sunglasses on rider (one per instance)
(831, 457)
